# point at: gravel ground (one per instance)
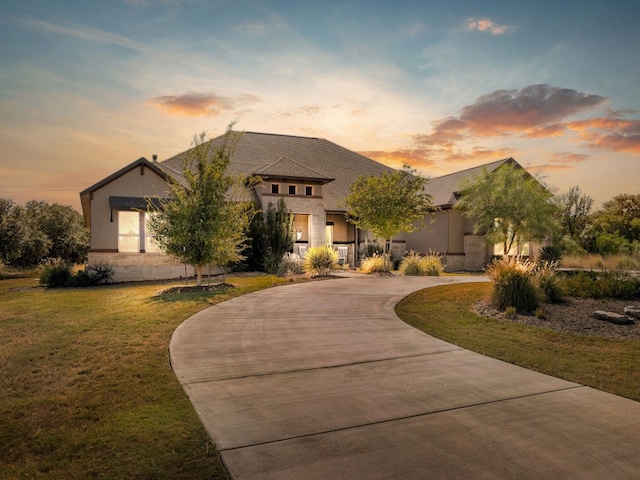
(574, 316)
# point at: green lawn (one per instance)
(86, 389)
(444, 312)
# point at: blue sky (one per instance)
(87, 87)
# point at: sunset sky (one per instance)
(86, 87)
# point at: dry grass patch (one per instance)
(86, 389)
(611, 365)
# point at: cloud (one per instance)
(609, 133)
(486, 25)
(534, 112)
(86, 33)
(506, 112)
(201, 104)
(397, 158)
(305, 111)
(548, 167)
(566, 158)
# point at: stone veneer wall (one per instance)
(130, 267)
(475, 250)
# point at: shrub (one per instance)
(56, 273)
(320, 260)
(99, 273)
(290, 265)
(271, 262)
(550, 253)
(513, 284)
(370, 249)
(602, 285)
(540, 313)
(608, 243)
(373, 264)
(548, 282)
(414, 264)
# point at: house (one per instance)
(313, 175)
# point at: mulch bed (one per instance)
(573, 316)
(216, 287)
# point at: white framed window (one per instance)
(128, 231)
(275, 188)
(292, 189)
(328, 235)
(308, 190)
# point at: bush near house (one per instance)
(415, 264)
(57, 273)
(290, 265)
(373, 264)
(319, 261)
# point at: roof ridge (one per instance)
(458, 172)
(285, 157)
(279, 135)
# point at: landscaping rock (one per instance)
(632, 312)
(612, 317)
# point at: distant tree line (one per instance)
(38, 231)
(613, 229)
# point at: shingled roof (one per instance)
(444, 190)
(312, 158)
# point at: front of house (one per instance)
(312, 175)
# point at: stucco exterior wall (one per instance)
(139, 182)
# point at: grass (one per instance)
(597, 262)
(86, 389)
(445, 312)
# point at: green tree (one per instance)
(271, 236)
(65, 229)
(39, 230)
(206, 217)
(620, 216)
(390, 203)
(22, 241)
(508, 204)
(574, 208)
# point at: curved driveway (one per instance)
(321, 380)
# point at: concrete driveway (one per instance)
(321, 380)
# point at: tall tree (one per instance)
(39, 230)
(390, 203)
(271, 236)
(65, 229)
(620, 216)
(206, 217)
(508, 204)
(574, 208)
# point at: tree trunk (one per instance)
(387, 258)
(199, 275)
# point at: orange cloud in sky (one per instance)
(568, 157)
(201, 104)
(506, 112)
(486, 25)
(397, 158)
(609, 133)
(548, 167)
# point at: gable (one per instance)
(444, 190)
(125, 183)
